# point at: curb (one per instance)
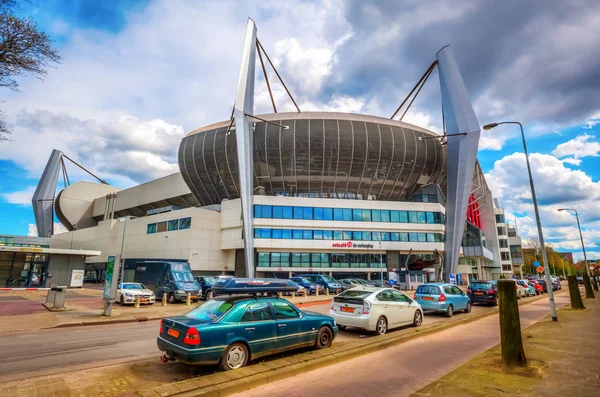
(258, 375)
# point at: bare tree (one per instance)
(24, 50)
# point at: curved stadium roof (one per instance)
(322, 154)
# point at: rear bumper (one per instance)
(433, 306)
(202, 356)
(483, 298)
(363, 321)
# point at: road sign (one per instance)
(536, 264)
(540, 269)
(452, 277)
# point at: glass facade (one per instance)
(175, 224)
(302, 234)
(346, 214)
(20, 269)
(321, 260)
(500, 218)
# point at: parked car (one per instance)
(521, 291)
(173, 278)
(542, 282)
(126, 293)
(325, 281)
(556, 285)
(446, 298)
(310, 287)
(579, 280)
(529, 290)
(483, 292)
(206, 283)
(375, 309)
(386, 284)
(231, 330)
(91, 278)
(537, 287)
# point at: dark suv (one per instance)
(483, 292)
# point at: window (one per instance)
(402, 277)
(347, 235)
(327, 214)
(394, 216)
(456, 290)
(357, 235)
(500, 218)
(367, 236)
(257, 211)
(412, 217)
(307, 234)
(263, 259)
(385, 236)
(267, 211)
(276, 233)
(173, 225)
(151, 228)
(347, 214)
(430, 216)
(422, 237)
(337, 235)
(287, 212)
(431, 237)
(318, 214)
(376, 236)
(385, 216)
(339, 260)
(277, 212)
(327, 235)
(297, 234)
(357, 215)
(403, 236)
(298, 212)
(265, 233)
(449, 290)
(399, 297)
(421, 218)
(385, 296)
(286, 234)
(296, 259)
(284, 311)
(161, 227)
(403, 216)
(503, 243)
(185, 223)
(395, 236)
(413, 237)
(318, 235)
(258, 311)
(376, 215)
(505, 256)
(366, 214)
(210, 311)
(307, 213)
(338, 214)
(501, 231)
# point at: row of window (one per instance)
(500, 218)
(346, 214)
(167, 226)
(300, 234)
(305, 259)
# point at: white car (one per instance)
(375, 309)
(521, 291)
(126, 293)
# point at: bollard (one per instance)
(164, 300)
(337, 291)
(576, 302)
(317, 292)
(293, 295)
(188, 299)
(510, 324)
(327, 292)
(305, 293)
(137, 301)
(279, 295)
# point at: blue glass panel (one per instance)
(185, 223)
(357, 235)
(298, 212)
(395, 236)
(385, 236)
(347, 235)
(412, 216)
(403, 236)
(286, 234)
(395, 216)
(430, 216)
(327, 214)
(151, 228)
(307, 213)
(403, 216)
(267, 211)
(318, 235)
(297, 234)
(357, 215)
(367, 236)
(422, 237)
(413, 237)
(266, 233)
(277, 212)
(307, 234)
(421, 217)
(327, 235)
(376, 215)
(337, 235)
(376, 236)
(257, 211)
(366, 215)
(287, 212)
(318, 215)
(431, 237)
(276, 233)
(338, 214)
(347, 214)
(385, 216)
(257, 233)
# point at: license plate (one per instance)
(348, 309)
(173, 333)
(427, 298)
(143, 300)
(478, 293)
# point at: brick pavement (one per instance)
(403, 369)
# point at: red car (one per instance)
(538, 288)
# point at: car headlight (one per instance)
(128, 294)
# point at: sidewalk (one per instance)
(87, 310)
(563, 360)
(403, 369)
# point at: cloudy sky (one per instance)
(137, 75)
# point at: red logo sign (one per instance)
(349, 244)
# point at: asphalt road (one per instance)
(45, 352)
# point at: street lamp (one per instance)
(488, 127)
(587, 266)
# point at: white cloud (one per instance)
(570, 160)
(58, 229)
(578, 147)
(22, 197)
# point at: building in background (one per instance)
(567, 256)
(516, 251)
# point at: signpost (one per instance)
(77, 278)
(452, 277)
(110, 282)
(538, 267)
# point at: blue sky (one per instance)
(137, 75)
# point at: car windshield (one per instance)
(183, 276)
(330, 279)
(210, 311)
(133, 286)
(210, 280)
(428, 289)
(481, 285)
(353, 293)
(305, 280)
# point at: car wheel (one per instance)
(121, 301)
(171, 298)
(468, 309)
(236, 356)
(449, 311)
(324, 338)
(209, 295)
(381, 326)
(418, 320)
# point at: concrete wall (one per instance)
(61, 267)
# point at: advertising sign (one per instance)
(452, 277)
(77, 278)
(112, 277)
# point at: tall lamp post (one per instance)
(537, 217)
(587, 265)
